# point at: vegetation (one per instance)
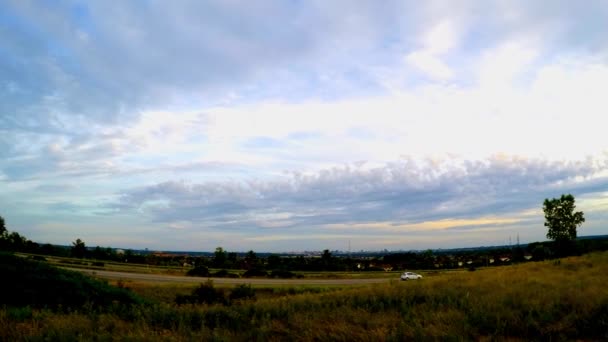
(79, 249)
(199, 271)
(548, 300)
(561, 219)
(562, 222)
(232, 264)
(39, 285)
(205, 293)
(2, 226)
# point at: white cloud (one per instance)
(222, 103)
(501, 65)
(427, 62)
(436, 43)
(443, 37)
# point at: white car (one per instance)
(410, 276)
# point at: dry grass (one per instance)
(565, 300)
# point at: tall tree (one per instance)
(251, 259)
(562, 220)
(79, 249)
(2, 226)
(219, 259)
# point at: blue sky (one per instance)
(300, 125)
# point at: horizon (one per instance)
(288, 125)
(151, 250)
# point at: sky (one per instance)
(300, 125)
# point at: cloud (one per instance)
(70, 66)
(405, 192)
(436, 43)
(288, 116)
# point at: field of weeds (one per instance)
(553, 300)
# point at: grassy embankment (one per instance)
(554, 300)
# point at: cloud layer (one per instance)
(402, 193)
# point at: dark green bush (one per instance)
(224, 274)
(242, 291)
(40, 285)
(282, 274)
(199, 271)
(205, 293)
(255, 272)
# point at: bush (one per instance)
(242, 291)
(224, 274)
(40, 285)
(255, 272)
(199, 271)
(282, 274)
(205, 293)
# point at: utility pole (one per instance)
(349, 254)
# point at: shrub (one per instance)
(282, 274)
(242, 291)
(205, 293)
(224, 274)
(199, 271)
(255, 272)
(40, 285)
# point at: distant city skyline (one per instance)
(288, 126)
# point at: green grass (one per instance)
(565, 300)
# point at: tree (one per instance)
(219, 259)
(562, 220)
(79, 249)
(2, 226)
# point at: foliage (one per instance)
(255, 272)
(561, 219)
(79, 249)
(532, 301)
(224, 274)
(199, 271)
(251, 260)
(2, 226)
(220, 257)
(37, 284)
(282, 274)
(242, 291)
(205, 293)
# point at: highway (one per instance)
(161, 278)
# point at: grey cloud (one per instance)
(106, 61)
(54, 188)
(400, 192)
(65, 207)
(59, 157)
(72, 64)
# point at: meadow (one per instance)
(563, 299)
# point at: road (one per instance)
(161, 278)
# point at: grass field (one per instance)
(554, 300)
